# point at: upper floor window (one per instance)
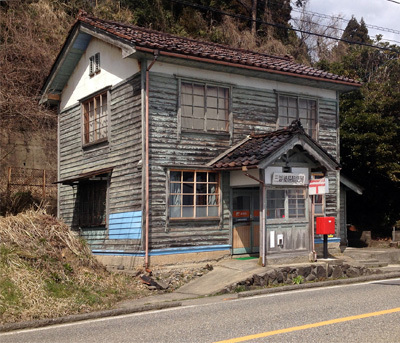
(204, 107)
(293, 108)
(95, 119)
(193, 194)
(94, 64)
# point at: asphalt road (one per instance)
(368, 312)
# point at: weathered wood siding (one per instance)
(254, 110)
(328, 126)
(328, 138)
(168, 148)
(123, 151)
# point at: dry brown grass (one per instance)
(47, 271)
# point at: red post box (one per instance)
(325, 226)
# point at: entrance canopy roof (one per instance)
(259, 151)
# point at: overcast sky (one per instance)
(382, 13)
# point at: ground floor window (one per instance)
(193, 194)
(286, 203)
(92, 199)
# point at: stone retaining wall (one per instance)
(299, 274)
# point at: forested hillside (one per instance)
(32, 33)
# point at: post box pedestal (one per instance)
(325, 226)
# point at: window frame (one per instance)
(85, 127)
(94, 64)
(96, 187)
(315, 176)
(206, 84)
(314, 131)
(286, 208)
(195, 206)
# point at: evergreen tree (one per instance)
(355, 32)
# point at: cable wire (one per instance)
(327, 16)
(242, 17)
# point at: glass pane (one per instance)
(283, 101)
(188, 188)
(212, 113)
(213, 211)
(212, 177)
(201, 188)
(174, 212)
(187, 111)
(187, 99)
(188, 200)
(212, 199)
(175, 176)
(188, 176)
(104, 102)
(212, 102)
(175, 188)
(175, 199)
(303, 103)
(318, 209)
(222, 103)
(186, 87)
(198, 124)
(201, 200)
(212, 125)
(212, 91)
(187, 123)
(198, 112)
(201, 211)
(187, 212)
(198, 89)
(292, 102)
(201, 177)
(212, 188)
(198, 101)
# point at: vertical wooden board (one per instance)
(241, 237)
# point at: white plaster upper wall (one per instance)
(113, 67)
(241, 80)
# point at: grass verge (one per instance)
(47, 271)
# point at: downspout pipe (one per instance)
(262, 217)
(147, 162)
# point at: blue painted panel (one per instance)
(126, 225)
(126, 215)
(330, 240)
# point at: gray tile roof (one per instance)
(251, 152)
(215, 53)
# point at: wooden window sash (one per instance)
(194, 195)
(94, 111)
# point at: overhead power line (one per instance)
(327, 16)
(280, 26)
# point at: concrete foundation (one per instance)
(333, 249)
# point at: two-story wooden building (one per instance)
(174, 149)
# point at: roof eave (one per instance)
(343, 86)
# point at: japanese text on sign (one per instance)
(288, 179)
